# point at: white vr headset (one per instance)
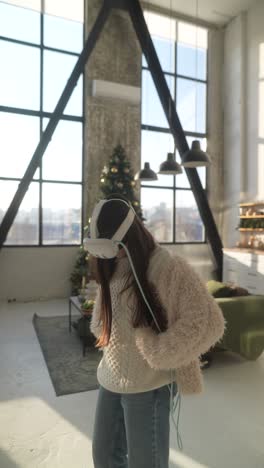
(107, 248)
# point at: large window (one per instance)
(169, 205)
(38, 50)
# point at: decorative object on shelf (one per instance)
(119, 179)
(91, 289)
(251, 225)
(87, 306)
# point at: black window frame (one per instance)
(42, 115)
(195, 135)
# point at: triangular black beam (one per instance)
(57, 114)
(135, 11)
(167, 102)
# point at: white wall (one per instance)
(42, 273)
(243, 116)
(233, 127)
(36, 273)
(255, 101)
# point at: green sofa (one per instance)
(244, 317)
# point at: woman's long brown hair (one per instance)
(141, 245)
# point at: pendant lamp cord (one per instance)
(196, 62)
(174, 152)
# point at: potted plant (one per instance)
(87, 306)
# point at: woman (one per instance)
(132, 415)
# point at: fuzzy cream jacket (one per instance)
(195, 322)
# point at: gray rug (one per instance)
(69, 371)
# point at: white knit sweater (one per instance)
(123, 368)
(140, 359)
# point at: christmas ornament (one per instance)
(133, 183)
(126, 170)
(135, 203)
(102, 180)
(105, 170)
(114, 169)
(120, 185)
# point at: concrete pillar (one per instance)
(110, 121)
(215, 120)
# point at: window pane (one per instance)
(191, 62)
(57, 70)
(189, 226)
(65, 9)
(157, 205)
(62, 213)
(152, 111)
(31, 4)
(161, 26)
(19, 139)
(63, 34)
(192, 51)
(63, 157)
(24, 230)
(19, 23)
(154, 149)
(7, 192)
(191, 105)
(192, 35)
(182, 179)
(20, 76)
(166, 53)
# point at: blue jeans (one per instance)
(131, 430)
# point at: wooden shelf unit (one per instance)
(251, 204)
(252, 216)
(250, 236)
(252, 229)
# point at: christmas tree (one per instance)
(118, 178)
(81, 271)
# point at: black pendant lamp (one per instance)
(170, 166)
(146, 174)
(195, 157)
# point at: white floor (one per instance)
(223, 428)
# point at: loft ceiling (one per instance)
(218, 12)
